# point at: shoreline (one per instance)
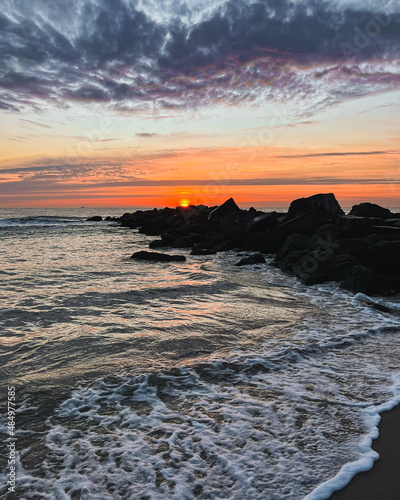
(382, 481)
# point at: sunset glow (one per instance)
(264, 124)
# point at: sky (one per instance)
(151, 103)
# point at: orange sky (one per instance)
(350, 150)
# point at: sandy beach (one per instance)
(382, 482)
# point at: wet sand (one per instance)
(382, 482)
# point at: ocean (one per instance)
(137, 380)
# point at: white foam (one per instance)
(366, 462)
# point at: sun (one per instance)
(184, 203)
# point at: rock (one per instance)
(233, 227)
(158, 244)
(158, 257)
(226, 208)
(211, 241)
(290, 260)
(323, 205)
(359, 279)
(362, 279)
(349, 223)
(370, 210)
(303, 224)
(384, 257)
(263, 222)
(343, 264)
(253, 212)
(293, 243)
(186, 241)
(95, 218)
(315, 267)
(364, 232)
(254, 241)
(356, 247)
(256, 258)
(202, 251)
(273, 240)
(224, 246)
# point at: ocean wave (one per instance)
(251, 425)
(252, 385)
(43, 221)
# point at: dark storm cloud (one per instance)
(129, 53)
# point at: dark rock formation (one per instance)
(256, 258)
(370, 210)
(95, 218)
(322, 205)
(226, 208)
(158, 244)
(363, 279)
(202, 251)
(263, 222)
(315, 241)
(158, 257)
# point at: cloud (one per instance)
(345, 153)
(33, 122)
(39, 186)
(146, 135)
(132, 55)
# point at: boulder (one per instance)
(273, 240)
(295, 242)
(263, 222)
(342, 265)
(202, 251)
(324, 205)
(315, 267)
(95, 218)
(186, 241)
(318, 266)
(211, 241)
(233, 226)
(256, 258)
(357, 247)
(362, 279)
(157, 257)
(370, 210)
(350, 223)
(254, 241)
(304, 224)
(226, 208)
(289, 261)
(364, 232)
(158, 244)
(384, 257)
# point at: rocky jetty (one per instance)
(314, 240)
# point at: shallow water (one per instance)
(183, 380)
